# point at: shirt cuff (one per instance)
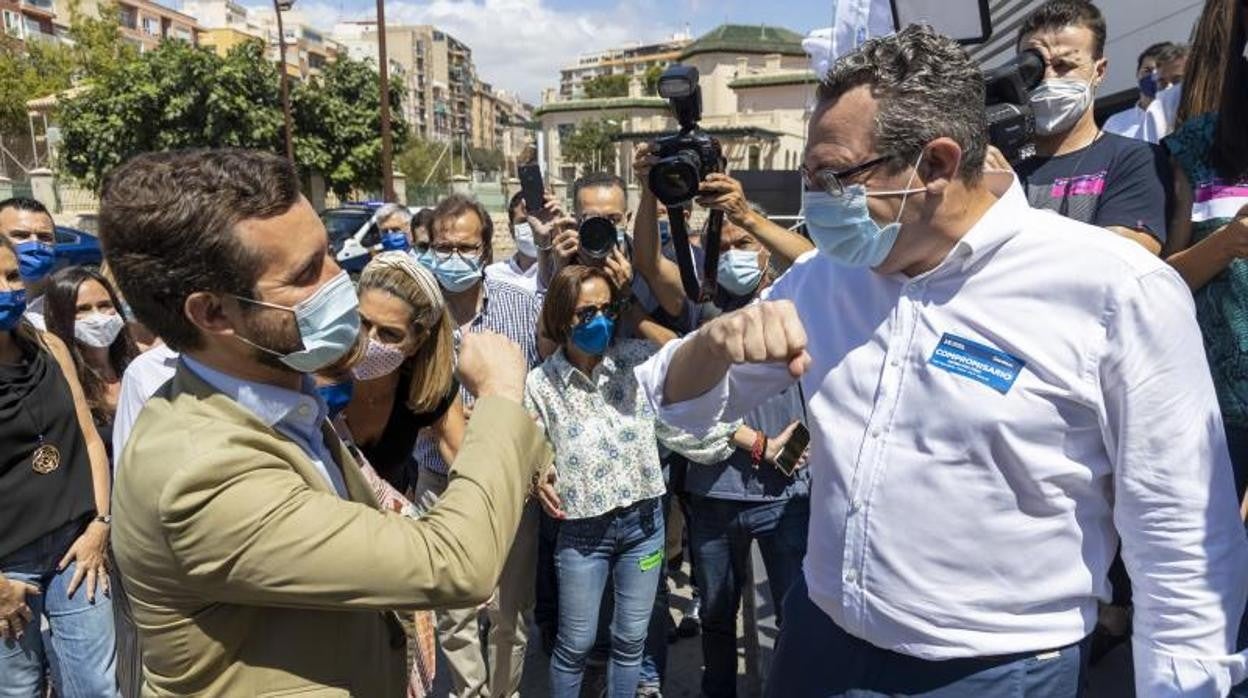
(697, 416)
(1159, 674)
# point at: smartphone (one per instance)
(532, 188)
(786, 462)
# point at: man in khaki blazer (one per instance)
(252, 551)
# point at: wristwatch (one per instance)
(106, 519)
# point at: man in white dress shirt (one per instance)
(520, 269)
(996, 395)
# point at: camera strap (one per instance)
(705, 290)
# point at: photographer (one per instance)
(718, 191)
(1078, 171)
(973, 468)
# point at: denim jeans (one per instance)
(815, 657)
(80, 646)
(720, 532)
(627, 546)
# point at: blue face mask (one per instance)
(395, 240)
(456, 273)
(665, 232)
(594, 337)
(739, 272)
(337, 396)
(35, 259)
(842, 227)
(329, 324)
(12, 306)
(1148, 85)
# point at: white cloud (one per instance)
(519, 45)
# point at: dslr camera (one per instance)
(1007, 92)
(598, 237)
(686, 158)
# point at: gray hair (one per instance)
(927, 87)
(389, 210)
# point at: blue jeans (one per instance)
(720, 532)
(80, 647)
(815, 657)
(627, 545)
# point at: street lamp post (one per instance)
(387, 171)
(280, 6)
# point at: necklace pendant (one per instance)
(45, 459)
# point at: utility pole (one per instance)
(280, 6)
(387, 171)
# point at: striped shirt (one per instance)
(508, 310)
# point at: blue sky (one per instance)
(520, 45)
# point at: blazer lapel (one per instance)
(357, 487)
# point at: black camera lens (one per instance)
(674, 180)
(598, 237)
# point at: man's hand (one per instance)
(14, 611)
(88, 552)
(723, 193)
(620, 270)
(491, 364)
(995, 161)
(548, 221)
(776, 444)
(549, 499)
(758, 334)
(567, 242)
(643, 160)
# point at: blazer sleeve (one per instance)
(247, 529)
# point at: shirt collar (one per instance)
(302, 410)
(566, 372)
(517, 270)
(998, 224)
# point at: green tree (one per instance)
(590, 145)
(425, 161)
(176, 96)
(607, 86)
(338, 125)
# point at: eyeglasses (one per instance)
(586, 313)
(833, 181)
(444, 252)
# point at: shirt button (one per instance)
(854, 506)
(895, 362)
(851, 576)
(875, 433)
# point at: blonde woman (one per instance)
(406, 380)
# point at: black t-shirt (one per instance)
(1115, 181)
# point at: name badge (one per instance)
(992, 367)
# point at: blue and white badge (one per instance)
(992, 367)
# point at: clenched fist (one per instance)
(758, 334)
(491, 364)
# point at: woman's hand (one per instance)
(546, 495)
(89, 552)
(14, 611)
(776, 444)
(1234, 236)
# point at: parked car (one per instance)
(352, 231)
(76, 247)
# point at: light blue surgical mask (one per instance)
(328, 321)
(842, 228)
(594, 337)
(739, 272)
(35, 259)
(457, 273)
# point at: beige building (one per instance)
(227, 24)
(144, 23)
(756, 92)
(28, 20)
(629, 60)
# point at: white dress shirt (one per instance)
(979, 431)
(143, 377)
(1128, 123)
(510, 272)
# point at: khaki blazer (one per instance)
(249, 576)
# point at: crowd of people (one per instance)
(229, 468)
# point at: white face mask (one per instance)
(99, 330)
(380, 359)
(1059, 103)
(523, 233)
